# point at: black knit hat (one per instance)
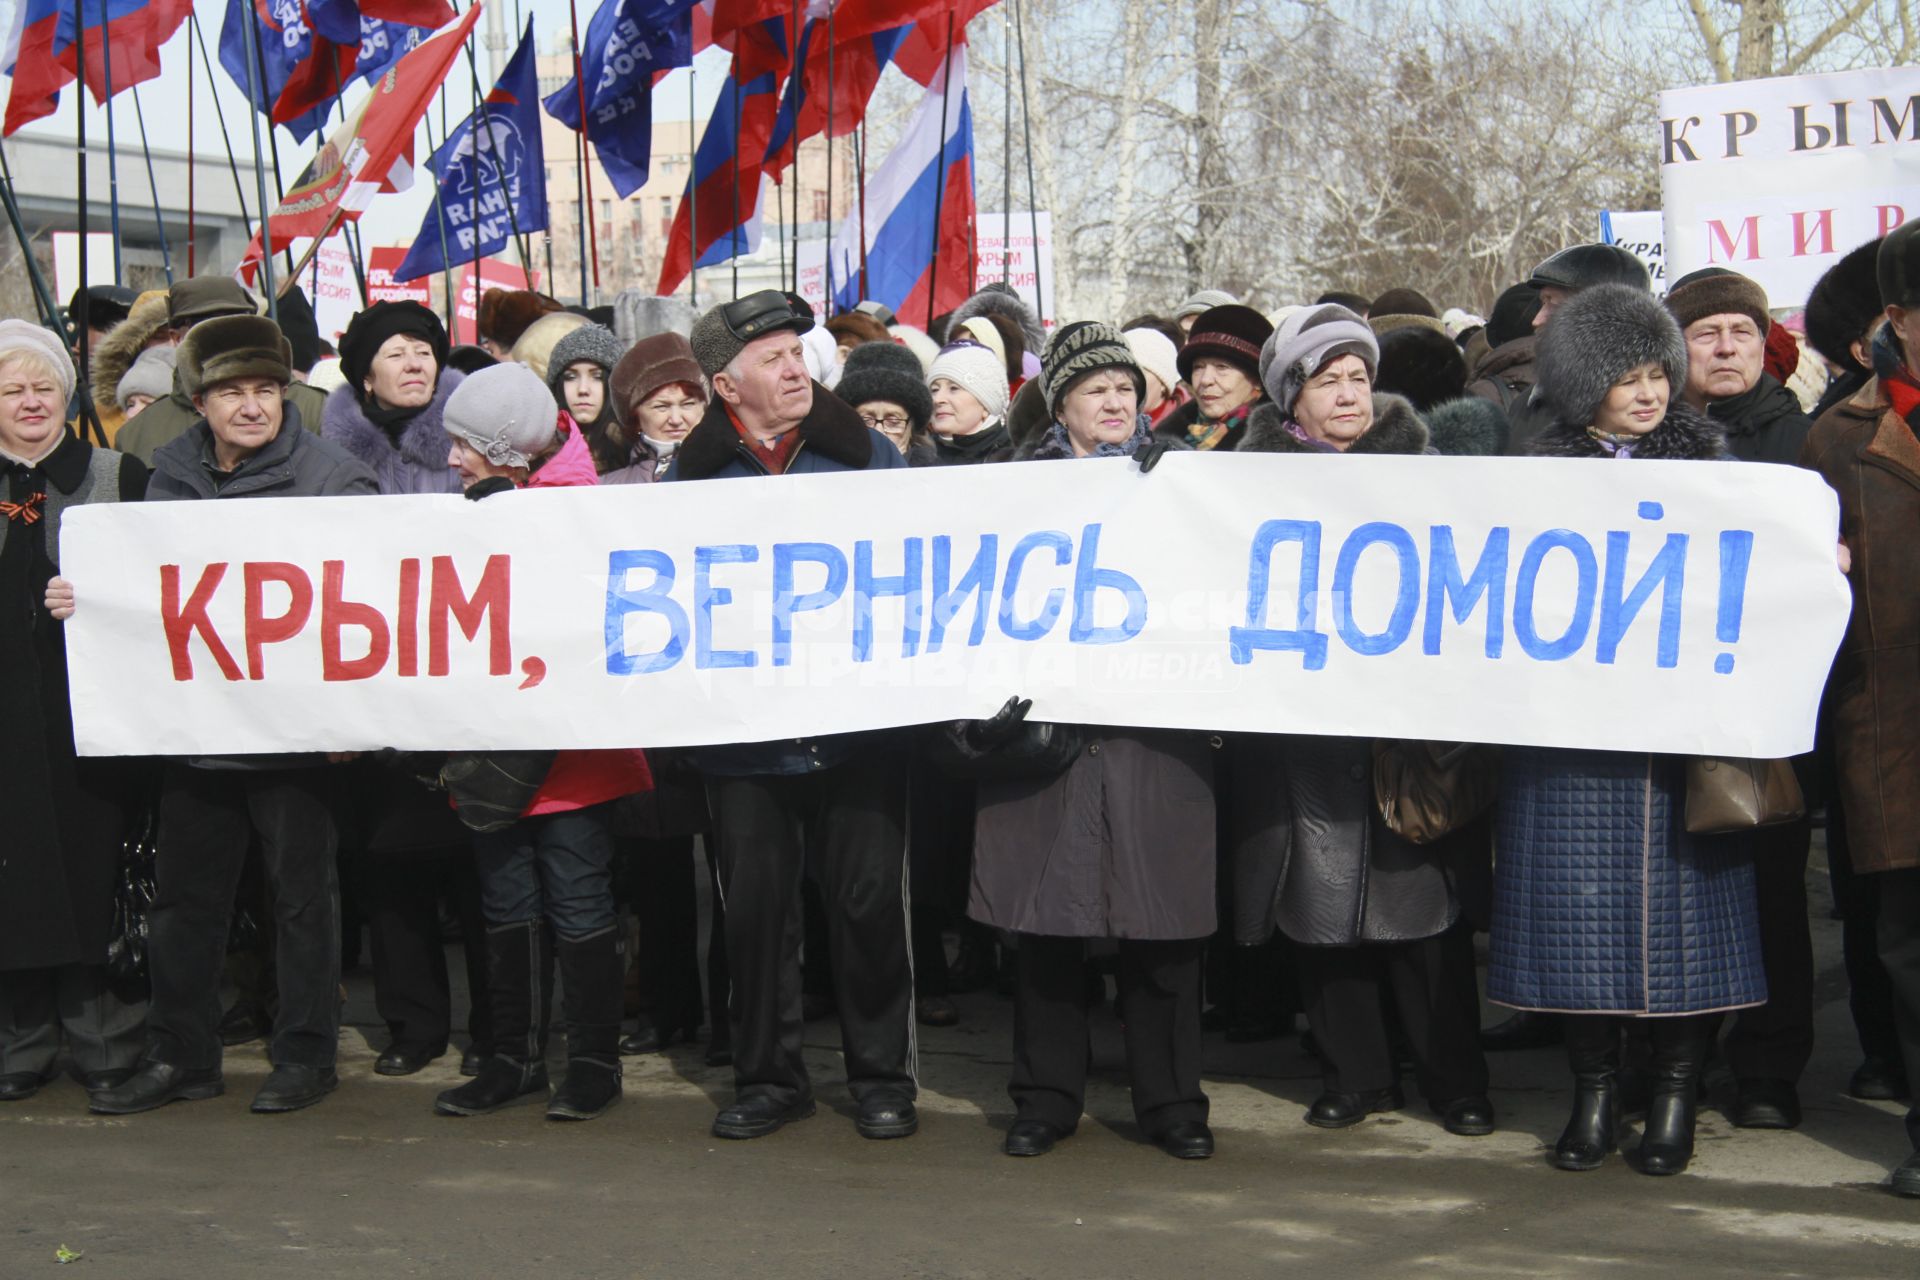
(1513, 314)
(886, 371)
(1843, 306)
(369, 330)
(1403, 302)
(1582, 266)
(1899, 266)
(301, 328)
(1232, 333)
(1424, 366)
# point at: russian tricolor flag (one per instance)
(902, 270)
(731, 148)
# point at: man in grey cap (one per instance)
(188, 303)
(838, 800)
(1194, 307)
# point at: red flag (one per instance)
(924, 51)
(138, 32)
(361, 153)
(414, 13)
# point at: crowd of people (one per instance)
(1224, 882)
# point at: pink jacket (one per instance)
(579, 779)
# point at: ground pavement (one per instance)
(371, 1183)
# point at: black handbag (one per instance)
(133, 894)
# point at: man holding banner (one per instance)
(841, 799)
(248, 443)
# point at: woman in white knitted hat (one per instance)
(969, 385)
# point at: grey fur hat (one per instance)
(591, 342)
(1598, 336)
(886, 371)
(1011, 305)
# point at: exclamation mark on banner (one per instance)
(1736, 552)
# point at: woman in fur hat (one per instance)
(388, 415)
(410, 857)
(1116, 844)
(1371, 916)
(1605, 908)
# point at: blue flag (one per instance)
(492, 174)
(628, 43)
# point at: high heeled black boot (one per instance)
(1593, 1051)
(1679, 1048)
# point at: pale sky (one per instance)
(393, 219)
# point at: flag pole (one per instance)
(350, 233)
(1026, 127)
(43, 298)
(486, 123)
(797, 76)
(693, 194)
(113, 148)
(159, 225)
(940, 178)
(1006, 149)
(254, 64)
(220, 116)
(589, 234)
(192, 162)
(827, 258)
(446, 257)
(736, 177)
(860, 176)
(89, 417)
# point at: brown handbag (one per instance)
(1426, 790)
(1739, 795)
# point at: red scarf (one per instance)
(1903, 392)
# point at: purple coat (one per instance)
(413, 462)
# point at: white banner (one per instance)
(1777, 179)
(1642, 235)
(1666, 606)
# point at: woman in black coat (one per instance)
(1118, 844)
(1371, 915)
(64, 814)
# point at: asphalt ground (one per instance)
(371, 1183)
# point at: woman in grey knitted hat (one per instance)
(578, 374)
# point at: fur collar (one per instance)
(1397, 428)
(1685, 433)
(400, 464)
(123, 345)
(830, 428)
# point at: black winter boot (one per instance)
(520, 978)
(593, 974)
(1593, 1051)
(1679, 1047)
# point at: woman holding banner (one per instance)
(1096, 834)
(1605, 907)
(63, 828)
(1376, 921)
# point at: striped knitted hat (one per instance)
(1081, 348)
(1306, 341)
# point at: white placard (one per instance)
(1665, 606)
(995, 259)
(1644, 236)
(1777, 179)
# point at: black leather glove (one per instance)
(1149, 454)
(1002, 728)
(488, 487)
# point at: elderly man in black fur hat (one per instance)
(247, 443)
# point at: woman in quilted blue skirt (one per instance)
(1605, 907)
